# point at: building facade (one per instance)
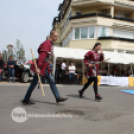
(82, 23)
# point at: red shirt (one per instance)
(44, 51)
(90, 58)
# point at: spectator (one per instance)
(115, 73)
(10, 65)
(51, 67)
(71, 69)
(105, 73)
(125, 74)
(20, 61)
(1, 67)
(106, 67)
(57, 72)
(63, 68)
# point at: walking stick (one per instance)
(40, 83)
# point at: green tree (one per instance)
(19, 50)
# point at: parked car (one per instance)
(22, 72)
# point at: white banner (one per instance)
(114, 81)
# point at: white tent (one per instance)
(115, 57)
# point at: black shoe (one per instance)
(61, 99)
(98, 98)
(80, 93)
(28, 102)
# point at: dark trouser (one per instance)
(71, 78)
(90, 80)
(0, 76)
(63, 76)
(57, 76)
(11, 73)
(35, 82)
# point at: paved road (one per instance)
(113, 115)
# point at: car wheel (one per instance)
(25, 77)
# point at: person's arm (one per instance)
(43, 49)
(42, 56)
(69, 68)
(14, 64)
(101, 55)
(8, 64)
(86, 60)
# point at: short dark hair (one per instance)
(96, 44)
(52, 32)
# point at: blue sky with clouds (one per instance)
(30, 21)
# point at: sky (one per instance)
(30, 21)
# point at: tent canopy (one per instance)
(115, 57)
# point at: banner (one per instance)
(115, 81)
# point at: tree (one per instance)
(19, 50)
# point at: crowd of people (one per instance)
(61, 69)
(63, 74)
(9, 66)
(116, 71)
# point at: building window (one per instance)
(122, 15)
(67, 39)
(123, 34)
(84, 32)
(91, 32)
(103, 31)
(77, 33)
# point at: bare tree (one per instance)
(19, 50)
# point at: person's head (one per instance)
(126, 72)
(115, 72)
(19, 58)
(64, 61)
(58, 62)
(106, 71)
(97, 46)
(11, 58)
(72, 63)
(53, 35)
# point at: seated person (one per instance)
(1, 67)
(10, 66)
(20, 61)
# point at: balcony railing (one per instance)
(90, 15)
(107, 1)
(125, 2)
(115, 38)
(124, 19)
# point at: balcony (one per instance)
(90, 15)
(129, 3)
(117, 43)
(116, 38)
(124, 19)
(108, 43)
(87, 3)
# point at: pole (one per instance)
(40, 83)
(54, 65)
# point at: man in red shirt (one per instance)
(90, 59)
(45, 51)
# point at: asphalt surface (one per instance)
(113, 115)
